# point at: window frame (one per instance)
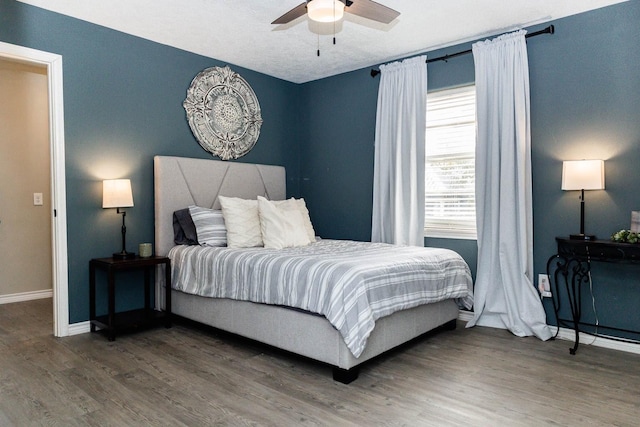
(448, 229)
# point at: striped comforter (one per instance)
(350, 283)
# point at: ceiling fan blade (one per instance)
(294, 13)
(371, 10)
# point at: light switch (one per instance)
(37, 199)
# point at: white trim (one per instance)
(53, 62)
(599, 341)
(450, 233)
(25, 296)
(585, 339)
(79, 328)
(465, 315)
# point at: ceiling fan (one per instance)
(333, 10)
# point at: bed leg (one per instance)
(450, 325)
(345, 376)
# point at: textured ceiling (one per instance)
(240, 33)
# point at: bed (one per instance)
(182, 182)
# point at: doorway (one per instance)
(25, 214)
(51, 64)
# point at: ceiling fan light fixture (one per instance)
(325, 10)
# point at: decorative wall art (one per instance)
(223, 112)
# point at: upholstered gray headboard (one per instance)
(180, 182)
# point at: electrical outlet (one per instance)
(543, 285)
(37, 199)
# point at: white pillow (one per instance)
(242, 222)
(210, 226)
(282, 224)
(302, 207)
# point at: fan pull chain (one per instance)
(334, 31)
(334, 24)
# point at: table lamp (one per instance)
(116, 193)
(582, 175)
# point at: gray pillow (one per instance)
(184, 230)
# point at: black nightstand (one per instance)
(146, 316)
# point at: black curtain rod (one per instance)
(549, 30)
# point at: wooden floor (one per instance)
(185, 376)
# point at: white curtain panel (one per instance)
(504, 293)
(398, 186)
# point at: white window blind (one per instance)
(450, 206)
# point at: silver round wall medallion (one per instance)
(223, 112)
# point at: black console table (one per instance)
(572, 266)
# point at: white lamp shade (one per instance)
(583, 175)
(325, 10)
(116, 193)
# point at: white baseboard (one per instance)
(599, 341)
(79, 328)
(26, 296)
(585, 339)
(465, 316)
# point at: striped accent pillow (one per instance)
(209, 226)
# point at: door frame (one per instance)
(53, 62)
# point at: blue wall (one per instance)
(585, 98)
(123, 105)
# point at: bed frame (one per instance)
(180, 182)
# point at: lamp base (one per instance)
(124, 255)
(582, 237)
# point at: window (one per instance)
(450, 205)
